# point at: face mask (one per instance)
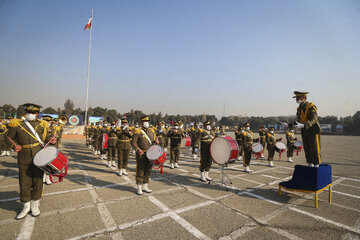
(247, 128)
(105, 125)
(176, 127)
(292, 131)
(272, 132)
(208, 127)
(146, 124)
(30, 116)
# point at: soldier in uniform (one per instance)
(103, 131)
(262, 134)
(29, 134)
(290, 140)
(175, 134)
(111, 144)
(248, 140)
(161, 132)
(307, 121)
(239, 140)
(206, 135)
(91, 136)
(142, 139)
(3, 140)
(97, 134)
(195, 140)
(271, 145)
(124, 134)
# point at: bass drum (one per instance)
(223, 150)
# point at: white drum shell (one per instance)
(280, 145)
(257, 147)
(154, 152)
(298, 143)
(45, 156)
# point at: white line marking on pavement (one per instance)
(105, 215)
(241, 231)
(143, 221)
(346, 194)
(268, 176)
(27, 228)
(322, 219)
(190, 228)
(347, 185)
(192, 207)
(284, 233)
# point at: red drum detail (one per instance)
(157, 156)
(280, 148)
(104, 141)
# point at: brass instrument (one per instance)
(63, 119)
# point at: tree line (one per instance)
(350, 124)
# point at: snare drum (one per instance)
(298, 146)
(257, 149)
(280, 148)
(157, 156)
(224, 149)
(52, 161)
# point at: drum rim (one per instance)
(257, 144)
(57, 153)
(162, 151)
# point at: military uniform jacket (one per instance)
(112, 140)
(3, 136)
(262, 134)
(307, 115)
(139, 139)
(238, 136)
(124, 137)
(20, 133)
(290, 138)
(248, 139)
(271, 141)
(175, 136)
(206, 136)
(92, 131)
(52, 130)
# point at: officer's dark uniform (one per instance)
(112, 141)
(307, 115)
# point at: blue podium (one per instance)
(309, 179)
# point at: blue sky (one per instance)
(183, 57)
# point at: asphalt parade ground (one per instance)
(93, 202)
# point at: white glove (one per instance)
(284, 124)
(299, 125)
(125, 127)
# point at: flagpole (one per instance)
(88, 73)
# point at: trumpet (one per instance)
(63, 119)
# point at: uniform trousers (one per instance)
(143, 168)
(205, 157)
(123, 158)
(311, 144)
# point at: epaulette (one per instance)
(57, 128)
(43, 123)
(201, 130)
(14, 122)
(244, 133)
(153, 129)
(118, 128)
(269, 135)
(137, 131)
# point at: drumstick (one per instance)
(50, 140)
(12, 142)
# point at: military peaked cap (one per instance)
(300, 94)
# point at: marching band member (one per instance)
(307, 121)
(262, 133)
(161, 132)
(124, 135)
(29, 133)
(195, 140)
(175, 134)
(239, 140)
(3, 140)
(206, 135)
(51, 133)
(290, 140)
(111, 144)
(248, 140)
(142, 139)
(271, 145)
(97, 135)
(103, 152)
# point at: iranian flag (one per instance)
(88, 25)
